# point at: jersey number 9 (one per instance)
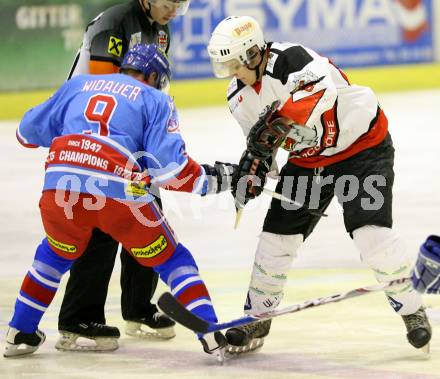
(100, 109)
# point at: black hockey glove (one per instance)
(219, 176)
(268, 133)
(249, 179)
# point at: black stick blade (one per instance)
(172, 308)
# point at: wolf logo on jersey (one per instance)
(300, 137)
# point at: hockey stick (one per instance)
(239, 213)
(276, 195)
(171, 307)
(239, 210)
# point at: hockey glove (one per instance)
(219, 176)
(249, 179)
(268, 133)
(426, 274)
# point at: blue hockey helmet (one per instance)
(148, 59)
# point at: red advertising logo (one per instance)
(413, 18)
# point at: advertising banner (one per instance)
(353, 33)
(41, 37)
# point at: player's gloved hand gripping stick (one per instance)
(268, 133)
(263, 139)
(248, 181)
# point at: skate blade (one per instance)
(426, 349)
(254, 345)
(77, 343)
(220, 355)
(17, 351)
(138, 330)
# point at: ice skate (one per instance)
(156, 326)
(419, 330)
(247, 338)
(214, 343)
(19, 343)
(88, 337)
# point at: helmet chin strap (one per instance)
(259, 65)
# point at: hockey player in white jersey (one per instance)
(285, 95)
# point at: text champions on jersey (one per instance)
(126, 90)
(82, 158)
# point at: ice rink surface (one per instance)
(359, 338)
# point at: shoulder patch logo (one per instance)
(271, 62)
(173, 126)
(173, 121)
(115, 46)
(135, 39)
(162, 40)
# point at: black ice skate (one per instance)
(160, 326)
(214, 343)
(419, 330)
(20, 344)
(247, 338)
(88, 337)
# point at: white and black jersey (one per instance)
(333, 118)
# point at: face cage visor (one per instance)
(230, 67)
(226, 69)
(180, 6)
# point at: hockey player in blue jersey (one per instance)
(110, 136)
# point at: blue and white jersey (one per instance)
(111, 135)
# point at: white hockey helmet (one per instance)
(234, 42)
(181, 6)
